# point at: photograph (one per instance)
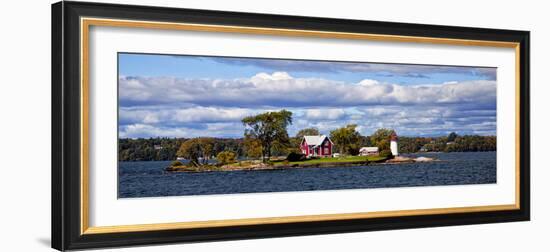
(182, 123)
(203, 125)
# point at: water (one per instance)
(147, 179)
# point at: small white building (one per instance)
(368, 151)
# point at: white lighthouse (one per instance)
(393, 144)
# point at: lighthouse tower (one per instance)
(393, 144)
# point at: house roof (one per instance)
(368, 149)
(315, 140)
(393, 136)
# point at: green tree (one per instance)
(282, 148)
(308, 132)
(452, 137)
(381, 138)
(252, 147)
(176, 163)
(226, 157)
(207, 147)
(267, 128)
(196, 148)
(347, 139)
(295, 145)
(386, 154)
(364, 141)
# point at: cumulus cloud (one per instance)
(178, 107)
(281, 89)
(210, 130)
(324, 114)
(154, 114)
(407, 120)
(430, 120)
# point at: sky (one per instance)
(192, 96)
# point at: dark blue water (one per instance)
(147, 179)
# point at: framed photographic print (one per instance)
(181, 125)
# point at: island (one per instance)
(266, 145)
(276, 164)
(310, 150)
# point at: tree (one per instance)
(207, 147)
(386, 154)
(308, 132)
(226, 157)
(252, 147)
(346, 138)
(267, 128)
(381, 138)
(452, 137)
(196, 148)
(279, 148)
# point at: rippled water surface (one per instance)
(147, 179)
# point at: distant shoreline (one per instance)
(159, 149)
(404, 154)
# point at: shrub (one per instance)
(386, 154)
(293, 156)
(226, 157)
(176, 163)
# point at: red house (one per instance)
(316, 146)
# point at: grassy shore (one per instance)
(345, 159)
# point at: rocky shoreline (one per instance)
(262, 166)
(401, 159)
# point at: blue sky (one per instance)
(189, 96)
(230, 68)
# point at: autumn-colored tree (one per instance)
(308, 132)
(381, 138)
(196, 148)
(226, 157)
(252, 147)
(347, 139)
(267, 128)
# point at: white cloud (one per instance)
(211, 130)
(324, 114)
(153, 115)
(280, 89)
(177, 107)
(276, 76)
(201, 114)
(407, 120)
(368, 82)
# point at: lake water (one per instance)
(148, 179)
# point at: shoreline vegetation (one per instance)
(266, 145)
(165, 149)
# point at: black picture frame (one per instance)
(66, 125)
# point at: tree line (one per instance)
(266, 135)
(165, 149)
